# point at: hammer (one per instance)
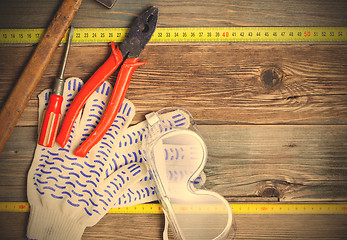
(30, 77)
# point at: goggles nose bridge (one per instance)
(183, 155)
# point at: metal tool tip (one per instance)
(152, 11)
(71, 31)
(140, 33)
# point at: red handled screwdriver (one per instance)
(52, 116)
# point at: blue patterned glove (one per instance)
(67, 193)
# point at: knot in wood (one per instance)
(271, 77)
(270, 192)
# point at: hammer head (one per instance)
(107, 3)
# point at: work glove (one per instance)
(68, 193)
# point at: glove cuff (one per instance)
(45, 223)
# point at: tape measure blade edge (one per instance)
(194, 34)
(239, 208)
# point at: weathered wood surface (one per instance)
(219, 84)
(246, 162)
(150, 227)
(182, 13)
(274, 116)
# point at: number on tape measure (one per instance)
(197, 34)
(21, 35)
(92, 35)
(14, 207)
(241, 208)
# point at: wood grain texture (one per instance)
(286, 163)
(150, 227)
(292, 163)
(192, 13)
(251, 84)
(274, 117)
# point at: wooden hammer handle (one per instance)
(24, 88)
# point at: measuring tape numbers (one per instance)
(194, 34)
(238, 208)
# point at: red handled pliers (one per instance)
(126, 55)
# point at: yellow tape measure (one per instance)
(254, 208)
(196, 34)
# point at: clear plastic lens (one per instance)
(176, 157)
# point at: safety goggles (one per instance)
(176, 155)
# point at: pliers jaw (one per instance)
(140, 33)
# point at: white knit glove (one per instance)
(67, 193)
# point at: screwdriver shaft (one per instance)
(52, 115)
(59, 83)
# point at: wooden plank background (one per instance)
(274, 116)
